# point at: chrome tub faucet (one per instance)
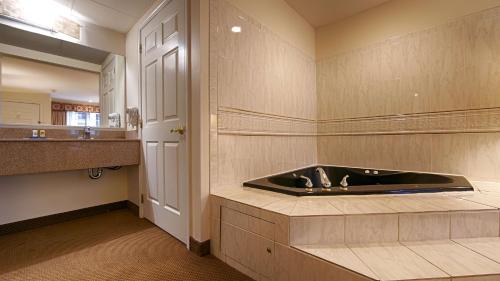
(343, 183)
(325, 182)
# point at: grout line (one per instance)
(470, 249)
(442, 270)
(363, 262)
(297, 247)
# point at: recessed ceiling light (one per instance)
(236, 29)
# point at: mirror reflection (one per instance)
(41, 92)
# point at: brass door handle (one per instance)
(179, 130)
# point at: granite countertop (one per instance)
(63, 140)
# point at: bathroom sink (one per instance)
(38, 139)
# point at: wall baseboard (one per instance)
(66, 216)
(199, 248)
(132, 207)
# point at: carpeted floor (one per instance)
(111, 246)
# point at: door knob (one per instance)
(179, 130)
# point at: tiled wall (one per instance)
(426, 101)
(262, 100)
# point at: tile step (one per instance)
(422, 260)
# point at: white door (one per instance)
(14, 112)
(164, 103)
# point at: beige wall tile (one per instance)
(257, 72)
(443, 68)
(488, 247)
(360, 205)
(392, 261)
(371, 228)
(405, 204)
(475, 224)
(294, 265)
(449, 154)
(478, 278)
(215, 246)
(446, 74)
(281, 229)
(316, 230)
(424, 226)
(340, 255)
(307, 206)
(484, 159)
(453, 258)
(241, 158)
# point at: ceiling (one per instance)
(118, 15)
(322, 12)
(22, 75)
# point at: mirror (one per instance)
(73, 85)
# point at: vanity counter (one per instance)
(67, 140)
(29, 156)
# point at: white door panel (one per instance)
(164, 104)
(152, 171)
(170, 71)
(151, 92)
(171, 159)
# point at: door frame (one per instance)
(187, 69)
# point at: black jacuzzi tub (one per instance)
(360, 182)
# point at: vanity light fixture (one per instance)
(236, 29)
(44, 14)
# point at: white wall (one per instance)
(30, 196)
(132, 93)
(200, 126)
(132, 68)
(102, 38)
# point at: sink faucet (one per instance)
(87, 132)
(325, 182)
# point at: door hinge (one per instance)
(142, 198)
(140, 48)
(140, 123)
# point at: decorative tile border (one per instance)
(232, 121)
(239, 122)
(463, 121)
